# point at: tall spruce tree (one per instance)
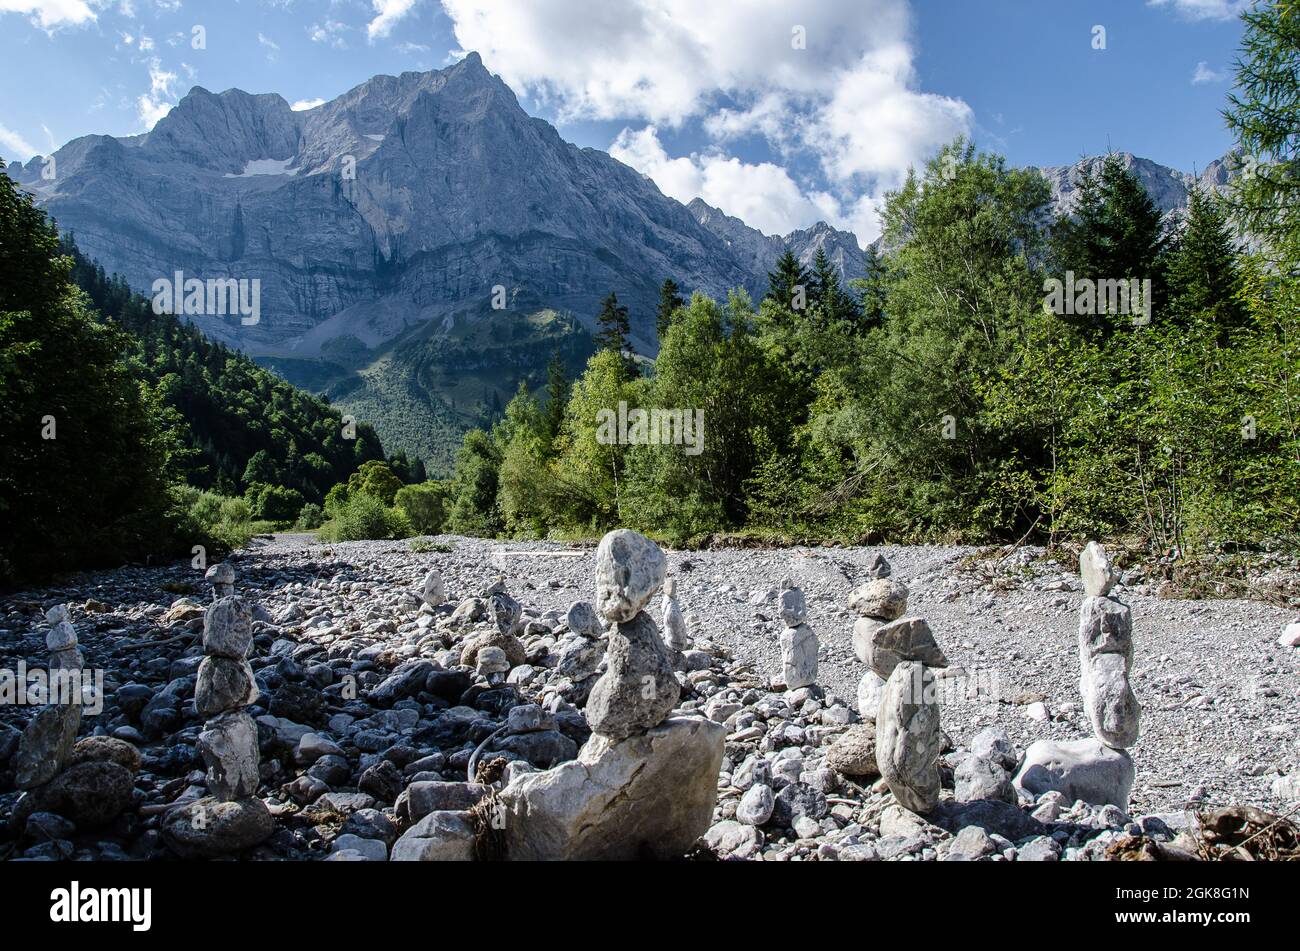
(790, 284)
(872, 288)
(614, 326)
(670, 300)
(1204, 278)
(1115, 234)
(832, 305)
(558, 386)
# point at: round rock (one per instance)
(630, 568)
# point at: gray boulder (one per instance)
(228, 745)
(980, 778)
(1081, 769)
(648, 796)
(208, 828)
(444, 836)
(581, 619)
(881, 598)
(228, 628)
(907, 639)
(46, 744)
(799, 657)
(224, 684)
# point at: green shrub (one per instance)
(274, 503)
(423, 505)
(363, 518)
(310, 518)
(219, 523)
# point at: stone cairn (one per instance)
(899, 688)
(639, 687)
(1098, 770)
(47, 743)
(232, 818)
(799, 643)
(645, 784)
(675, 635)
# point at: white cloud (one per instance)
(158, 101)
(761, 194)
(387, 13)
(302, 105)
(49, 14)
(329, 32)
(1204, 9)
(1204, 75)
(849, 100)
(267, 41)
(14, 146)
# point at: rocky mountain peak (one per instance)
(224, 131)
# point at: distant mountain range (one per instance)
(387, 226)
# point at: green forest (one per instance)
(996, 376)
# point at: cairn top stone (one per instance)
(1099, 575)
(630, 568)
(793, 607)
(670, 587)
(434, 592)
(879, 567)
(57, 614)
(223, 573)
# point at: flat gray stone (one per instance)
(648, 796)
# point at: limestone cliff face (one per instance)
(403, 202)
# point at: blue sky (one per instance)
(778, 111)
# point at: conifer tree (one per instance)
(670, 299)
(614, 331)
(1115, 234)
(1204, 279)
(1263, 115)
(789, 286)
